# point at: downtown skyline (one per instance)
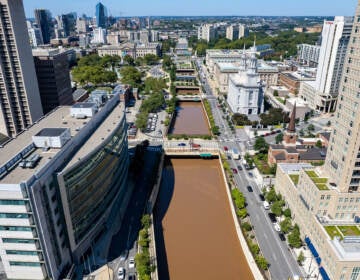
(199, 8)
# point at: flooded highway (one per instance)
(195, 233)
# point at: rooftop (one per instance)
(51, 132)
(319, 182)
(52, 123)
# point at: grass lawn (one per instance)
(294, 178)
(332, 231)
(349, 230)
(260, 161)
(319, 182)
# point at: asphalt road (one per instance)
(282, 263)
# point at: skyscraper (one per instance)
(100, 14)
(343, 159)
(44, 22)
(19, 92)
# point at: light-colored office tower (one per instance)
(19, 92)
(323, 93)
(144, 36)
(154, 36)
(35, 37)
(243, 31)
(335, 38)
(343, 159)
(99, 36)
(82, 25)
(232, 33)
(308, 54)
(206, 32)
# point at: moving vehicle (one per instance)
(234, 170)
(235, 153)
(249, 188)
(182, 144)
(195, 146)
(282, 236)
(121, 273)
(261, 196)
(239, 167)
(131, 263)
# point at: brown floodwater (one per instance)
(190, 119)
(195, 233)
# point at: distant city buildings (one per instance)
(19, 92)
(206, 32)
(44, 22)
(53, 76)
(243, 31)
(99, 36)
(135, 50)
(322, 93)
(232, 32)
(35, 36)
(246, 92)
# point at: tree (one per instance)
(129, 60)
(294, 238)
(271, 196)
(301, 258)
(286, 225)
(146, 221)
(167, 62)
(287, 213)
(276, 208)
(110, 61)
(151, 59)
(279, 138)
(254, 248)
(131, 76)
(310, 128)
(246, 226)
(93, 74)
(240, 119)
(154, 85)
(260, 144)
(261, 262)
(318, 144)
(241, 213)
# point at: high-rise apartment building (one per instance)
(44, 22)
(35, 36)
(232, 33)
(82, 25)
(324, 91)
(53, 75)
(19, 92)
(100, 14)
(206, 32)
(325, 200)
(308, 54)
(243, 31)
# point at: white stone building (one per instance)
(246, 92)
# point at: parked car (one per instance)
(267, 207)
(239, 167)
(277, 227)
(272, 217)
(226, 148)
(261, 196)
(182, 144)
(250, 189)
(121, 273)
(282, 236)
(250, 174)
(234, 170)
(131, 263)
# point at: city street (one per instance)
(282, 263)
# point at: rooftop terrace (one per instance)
(319, 182)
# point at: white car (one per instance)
(121, 273)
(131, 263)
(277, 227)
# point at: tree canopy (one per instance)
(131, 76)
(260, 144)
(93, 74)
(154, 85)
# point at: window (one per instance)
(25, 253)
(340, 199)
(11, 202)
(328, 197)
(13, 215)
(18, 240)
(322, 197)
(346, 199)
(24, 263)
(15, 228)
(355, 273)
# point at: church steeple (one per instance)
(291, 126)
(290, 133)
(242, 67)
(252, 68)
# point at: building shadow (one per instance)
(162, 204)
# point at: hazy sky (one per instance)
(197, 7)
